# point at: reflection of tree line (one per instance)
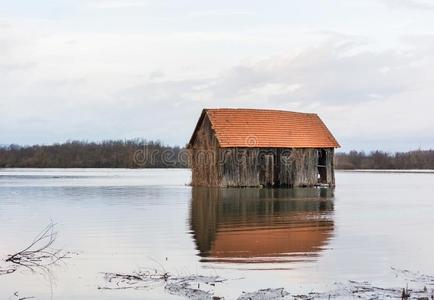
(231, 223)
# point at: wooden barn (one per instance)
(257, 147)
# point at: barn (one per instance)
(258, 147)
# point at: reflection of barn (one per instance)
(261, 225)
(251, 147)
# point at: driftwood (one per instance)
(137, 280)
(349, 290)
(201, 287)
(265, 294)
(18, 297)
(191, 286)
(422, 289)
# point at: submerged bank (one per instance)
(418, 286)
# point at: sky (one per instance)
(119, 69)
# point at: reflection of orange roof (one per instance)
(254, 243)
(269, 128)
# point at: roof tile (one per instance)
(269, 128)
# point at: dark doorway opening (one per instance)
(322, 166)
(269, 170)
(277, 162)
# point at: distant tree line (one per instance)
(139, 153)
(134, 153)
(418, 159)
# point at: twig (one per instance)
(39, 254)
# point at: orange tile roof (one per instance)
(269, 129)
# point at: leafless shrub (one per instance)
(38, 255)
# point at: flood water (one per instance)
(127, 220)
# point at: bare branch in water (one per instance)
(39, 254)
(17, 296)
(7, 271)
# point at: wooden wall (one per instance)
(242, 167)
(203, 156)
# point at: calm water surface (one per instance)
(301, 239)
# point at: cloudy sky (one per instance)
(115, 69)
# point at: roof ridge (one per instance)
(258, 109)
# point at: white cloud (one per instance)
(149, 72)
(220, 13)
(354, 93)
(414, 4)
(117, 3)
